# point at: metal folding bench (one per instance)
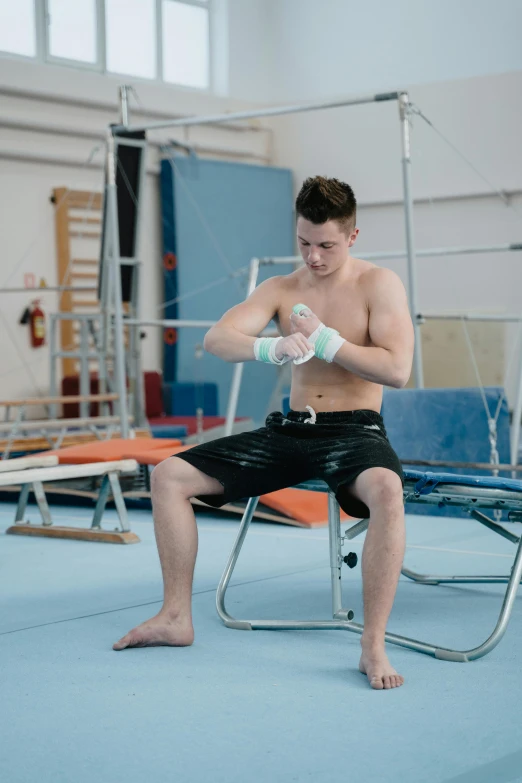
(473, 494)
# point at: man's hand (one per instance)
(306, 323)
(295, 346)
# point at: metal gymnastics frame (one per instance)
(112, 299)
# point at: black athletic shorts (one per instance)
(287, 451)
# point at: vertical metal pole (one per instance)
(115, 277)
(515, 424)
(85, 385)
(135, 363)
(101, 349)
(238, 368)
(52, 370)
(404, 109)
(124, 104)
(334, 525)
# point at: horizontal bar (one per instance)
(75, 316)
(422, 253)
(76, 355)
(257, 113)
(175, 322)
(467, 317)
(47, 289)
(445, 251)
(54, 160)
(57, 424)
(102, 106)
(59, 400)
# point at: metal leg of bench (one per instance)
(103, 497)
(339, 614)
(505, 613)
(42, 503)
(22, 503)
(119, 502)
(41, 500)
(435, 579)
(338, 623)
(228, 620)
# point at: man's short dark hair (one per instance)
(323, 198)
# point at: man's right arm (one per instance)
(234, 335)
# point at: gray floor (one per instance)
(249, 706)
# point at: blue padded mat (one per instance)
(438, 424)
(488, 482)
(432, 480)
(445, 424)
(168, 431)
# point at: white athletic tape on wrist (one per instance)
(327, 343)
(315, 334)
(332, 346)
(264, 350)
(330, 341)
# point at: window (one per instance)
(130, 31)
(72, 30)
(185, 38)
(163, 40)
(17, 27)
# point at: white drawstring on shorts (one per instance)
(313, 418)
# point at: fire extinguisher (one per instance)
(37, 325)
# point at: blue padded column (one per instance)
(217, 216)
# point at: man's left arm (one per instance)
(388, 361)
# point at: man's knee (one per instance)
(171, 474)
(383, 489)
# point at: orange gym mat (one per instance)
(155, 456)
(108, 450)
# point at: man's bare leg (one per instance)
(383, 555)
(173, 483)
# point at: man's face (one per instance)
(324, 248)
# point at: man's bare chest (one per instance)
(345, 311)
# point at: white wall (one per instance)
(306, 50)
(251, 65)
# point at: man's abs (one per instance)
(318, 385)
(329, 387)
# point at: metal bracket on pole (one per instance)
(405, 111)
(124, 105)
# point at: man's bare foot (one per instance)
(159, 630)
(381, 675)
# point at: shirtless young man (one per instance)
(342, 439)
